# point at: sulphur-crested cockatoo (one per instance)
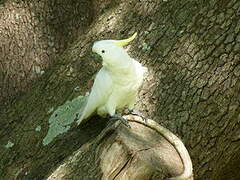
(116, 84)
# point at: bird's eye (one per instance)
(103, 51)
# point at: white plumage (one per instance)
(116, 84)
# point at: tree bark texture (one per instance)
(192, 51)
(120, 152)
(32, 35)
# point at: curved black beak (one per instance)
(96, 57)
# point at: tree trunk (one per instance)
(32, 35)
(120, 152)
(191, 49)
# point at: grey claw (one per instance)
(124, 121)
(137, 113)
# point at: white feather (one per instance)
(116, 84)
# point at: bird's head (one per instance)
(111, 51)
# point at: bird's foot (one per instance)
(137, 113)
(118, 117)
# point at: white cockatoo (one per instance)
(116, 84)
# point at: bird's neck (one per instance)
(123, 68)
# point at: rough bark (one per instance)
(132, 153)
(32, 35)
(192, 51)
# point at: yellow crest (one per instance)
(125, 41)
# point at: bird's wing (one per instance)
(101, 90)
